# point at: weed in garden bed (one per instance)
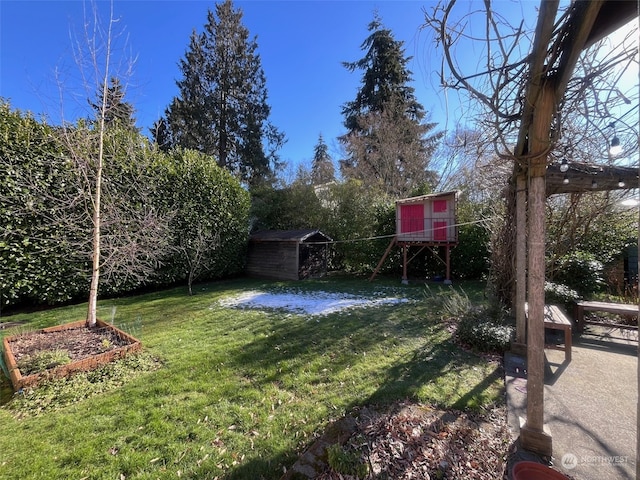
(43, 360)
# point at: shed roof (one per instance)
(288, 235)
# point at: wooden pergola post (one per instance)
(521, 262)
(532, 434)
(551, 68)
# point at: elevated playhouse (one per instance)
(427, 221)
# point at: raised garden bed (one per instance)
(69, 348)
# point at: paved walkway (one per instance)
(590, 404)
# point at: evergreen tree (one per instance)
(322, 169)
(387, 143)
(222, 107)
(161, 134)
(116, 110)
(393, 155)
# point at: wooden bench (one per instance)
(617, 308)
(555, 319)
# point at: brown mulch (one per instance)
(79, 343)
(414, 441)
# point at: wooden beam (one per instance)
(521, 259)
(578, 27)
(613, 15)
(533, 435)
(538, 59)
(580, 178)
(394, 240)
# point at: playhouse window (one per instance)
(439, 206)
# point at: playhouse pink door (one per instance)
(440, 230)
(412, 218)
(440, 220)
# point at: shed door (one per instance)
(412, 218)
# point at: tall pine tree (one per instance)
(116, 110)
(222, 107)
(322, 169)
(387, 142)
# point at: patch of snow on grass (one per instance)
(317, 303)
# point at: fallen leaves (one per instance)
(413, 441)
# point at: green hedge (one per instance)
(35, 253)
(45, 260)
(210, 214)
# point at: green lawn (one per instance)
(241, 392)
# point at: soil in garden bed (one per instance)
(79, 343)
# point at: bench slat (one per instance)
(609, 307)
(556, 319)
(554, 315)
(617, 308)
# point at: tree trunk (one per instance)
(97, 194)
(95, 257)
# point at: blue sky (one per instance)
(302, 45)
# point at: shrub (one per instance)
(34, 252)
(357, 212)
(485, 329)
(555, 293)
(470, 257)
(211, 218)
(582, 272)
(485, 334)
(450, 303)
(175, 216)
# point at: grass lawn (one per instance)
(241, 392)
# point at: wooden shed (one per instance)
(287, 254)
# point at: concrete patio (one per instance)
(590, 403)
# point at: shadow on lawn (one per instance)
(337, 343)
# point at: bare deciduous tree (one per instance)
(594, 104)
(127, 235)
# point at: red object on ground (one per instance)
(535, 471)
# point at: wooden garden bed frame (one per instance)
(86, 364)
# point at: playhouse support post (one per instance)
(405, 278)
(447, 253)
